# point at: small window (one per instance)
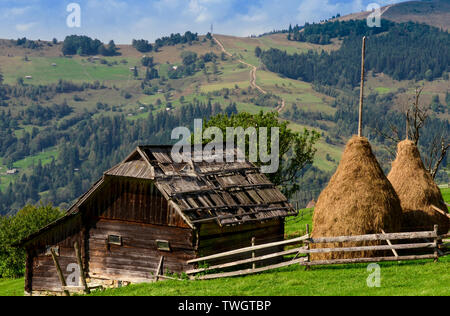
(115, 240)
(48, 250)
(163, 245)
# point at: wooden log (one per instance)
(390, 244)
(253, 253)
(367, 260)
(372, 248)
(308, 256)
(361, 94)
(374, 237)
(251, 260)
(249, 249)
(80, 264)
(440, 211)
(248, 271)
(158, 270)
(436, 241)
(59, 272)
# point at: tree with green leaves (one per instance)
(296, 149)
(15, 228)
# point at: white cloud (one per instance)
(25, 27)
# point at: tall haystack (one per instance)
(417, 191)
(358, 200)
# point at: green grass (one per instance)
(45, 157)
(408, 278)
(446, 194)
(11, 287)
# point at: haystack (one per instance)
(358, 200)
(417, 191)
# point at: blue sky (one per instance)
(124, 20)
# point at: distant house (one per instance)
(28, 77)
(53, 65)
(12, 171)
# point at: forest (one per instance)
(403, 52)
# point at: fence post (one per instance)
(308, 255)
(253, 254)
(436, 244)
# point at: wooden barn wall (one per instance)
(133, 200)
(41, 272)
(138, 257)
(214, 239)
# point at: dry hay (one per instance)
(358, 200)
(417, 191)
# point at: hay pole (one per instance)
(59, 272)
(361, 92)
(390, 244)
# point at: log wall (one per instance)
(137, 259)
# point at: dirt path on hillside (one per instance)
(253, 71)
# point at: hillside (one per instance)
(432, 12)
(104, 106)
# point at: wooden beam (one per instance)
(372, 248)
(374, 237)
(158, 270)
(366, 260)
(59, 272)
(251, 260)
(225, 188)
(440, 211)
(80, 264)
(232, 206)
(390, 244)
(212, 219)
(249, 249)
(248, 271)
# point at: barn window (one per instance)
(163, 245)
(48, 250)
(115, 240)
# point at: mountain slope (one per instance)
(434, 12)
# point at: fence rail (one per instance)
(307, 241)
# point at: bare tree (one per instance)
(416, 117)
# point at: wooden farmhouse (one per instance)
(149, 210)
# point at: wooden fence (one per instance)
(432, 241)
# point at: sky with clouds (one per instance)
(124, 20)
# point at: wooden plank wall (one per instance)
(43, 274)
(138, 256)
(215, 239)
(133, 200)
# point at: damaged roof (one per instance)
(223, 192)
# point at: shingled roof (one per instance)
(223, 192)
